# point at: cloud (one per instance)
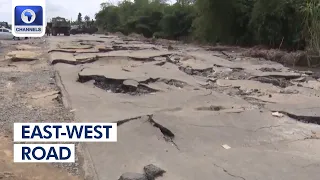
(70, 8)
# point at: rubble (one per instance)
(152, 171)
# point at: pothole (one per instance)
(210, 108)
(133, 48)
(13, 79)
(129, 86)
(280, 82)
(302, 118)
(171, 82)
(235, 74)
(256, 102)
(199, 72)
(267, 69)
(122, 86)
(231, 91)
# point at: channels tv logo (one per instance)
(28, 16)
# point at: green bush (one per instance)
(275, 23)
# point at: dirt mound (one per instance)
(298, 58)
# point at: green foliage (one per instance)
(311, 12)
(276, 23)
(214, 20)
(147, 17)
(108, 18)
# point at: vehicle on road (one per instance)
(59, 25)
(5, 25)
(83, 29)
(6, 34)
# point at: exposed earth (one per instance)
(190, 111)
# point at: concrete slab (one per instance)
(139, 54)
(22, 55)
(57, 57)
(295, 104)
(140, 73)
(74, 46)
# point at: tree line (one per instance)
(290, 24)
(81, 21)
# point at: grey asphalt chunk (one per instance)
(152, 171)
(182, 125)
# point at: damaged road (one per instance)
(179, 109)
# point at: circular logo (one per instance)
(28, 16)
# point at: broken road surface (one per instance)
(192, 112)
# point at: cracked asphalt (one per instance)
(180, 108)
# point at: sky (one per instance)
(64, 8)
(68, 9)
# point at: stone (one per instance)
(151, 171)
(132, 176)
(131, 83)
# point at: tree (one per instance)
(236, 22)
(87, 19)
(311, 12)
(79, 18)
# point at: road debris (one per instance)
(226, 146)
(152, 171)
(277, 114)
